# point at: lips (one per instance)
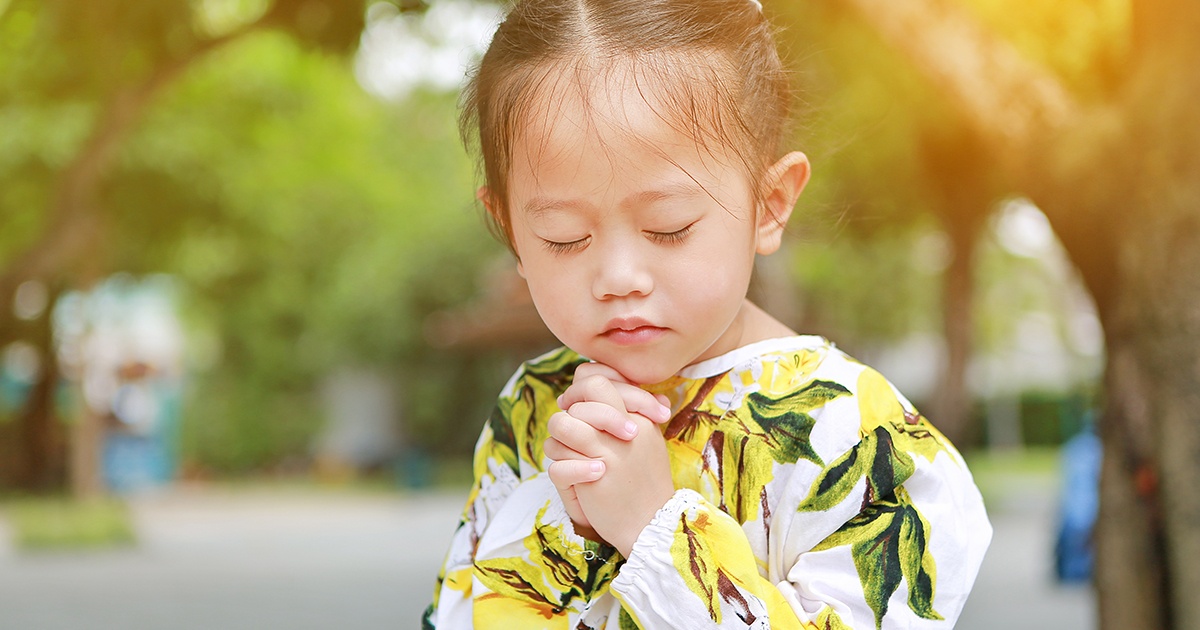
(628, 331)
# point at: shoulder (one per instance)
(552, 371)
(838, 400)
(517, 422)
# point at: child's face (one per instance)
(637, 244)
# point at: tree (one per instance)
(1113, 164)
(85, 76)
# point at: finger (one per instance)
(584, 373)
(557, 451)
(594, 388)
(592, 369)
(574, 433)
(604, 418)
(637, 400)
(575, 511)
(655, 408)
(569, 472)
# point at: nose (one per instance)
(621, 272)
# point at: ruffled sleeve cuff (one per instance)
(649, 561)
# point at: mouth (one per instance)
(627, 331)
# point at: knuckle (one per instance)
(586, 369)
(555, 472)
(594, 384)
(615, 417)
(557, 424)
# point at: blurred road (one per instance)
(255, 561)
(210, 559)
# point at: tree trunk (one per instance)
(1119, 184)
(1130, 550)
(1149, 535)
(965, 187)
(1152, 435)
(41, 432)
(952, 405)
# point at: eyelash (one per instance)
(554, 247)
(672, 238)
(664, 238)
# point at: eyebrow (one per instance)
(542, 205)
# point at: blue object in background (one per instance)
(1073, 550)
(140, 452)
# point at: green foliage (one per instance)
(318, 236)
(56, 523)
(1086, 43)
(311, 226)
(869, 287)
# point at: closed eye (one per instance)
(556, 247)
(672, 238)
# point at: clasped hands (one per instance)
(610, 463)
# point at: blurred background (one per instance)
(251, 319)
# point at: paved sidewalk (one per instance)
(209, 559)
(1016, 585)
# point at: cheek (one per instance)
(555, 293)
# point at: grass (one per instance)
(1025, 462)
(57, 523)
(1003, 474)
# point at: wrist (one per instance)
(625, 539)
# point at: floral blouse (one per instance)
(810, 494)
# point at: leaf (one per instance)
(746, 471)
(504, 439)
(828, 619)
(556, 572)
(694, 562)
(879, 406)
(876, 458)
(626, 622)
(516, 579)
(691, 415)
(785, 423)
(518, 422)
(918, 565)
(889, 542)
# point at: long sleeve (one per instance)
(810, 494)
(868, 516)
(515, 560)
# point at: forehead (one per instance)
(664, 105)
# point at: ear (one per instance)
(484, 195)
(782, 184)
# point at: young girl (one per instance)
(685, 461)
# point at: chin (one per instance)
(639, 373)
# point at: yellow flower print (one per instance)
(880, 407)
(556, 572)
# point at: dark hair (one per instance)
(727, 83)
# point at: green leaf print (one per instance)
(875, 457)
(889, 542)
(504, 440)
(786, 425)
(518, 422)
(626, 622)
(556, 571)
